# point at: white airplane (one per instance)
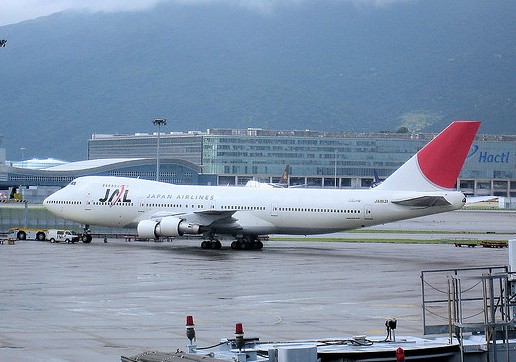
(423, 185)
(283, 181)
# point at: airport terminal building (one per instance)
(235, 156)
(316, 159)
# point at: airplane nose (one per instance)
(49, 204)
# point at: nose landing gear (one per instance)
(86, 235)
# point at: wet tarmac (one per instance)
(96, 302)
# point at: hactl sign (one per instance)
(484, 156)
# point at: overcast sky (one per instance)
(14, 11)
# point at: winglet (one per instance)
(437, 165)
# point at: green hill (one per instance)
(310, 65)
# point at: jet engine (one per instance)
(168, 226)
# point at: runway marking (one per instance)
(293, 300)
(311, 308)
(279, 319)
(396, 305)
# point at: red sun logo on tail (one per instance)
(441, 160)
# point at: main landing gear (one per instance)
(211, 244)
(248, 242)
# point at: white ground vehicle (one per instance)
(67, 236)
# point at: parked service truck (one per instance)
(53, 235)
(67, 236)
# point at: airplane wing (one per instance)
(205, 217)
(422, 201)
(475, 199)
(196, 222)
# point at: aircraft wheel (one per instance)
(236, 245)
(216, 244)
(86, 238)
(259, 245)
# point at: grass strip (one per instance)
(380, 240)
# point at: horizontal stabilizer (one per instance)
(423, 201)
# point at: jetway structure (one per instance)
(465, 303)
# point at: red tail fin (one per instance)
(437, 165)
(441, 160)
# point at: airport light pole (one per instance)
(158, 122)
(335, 169)
(22, 163)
